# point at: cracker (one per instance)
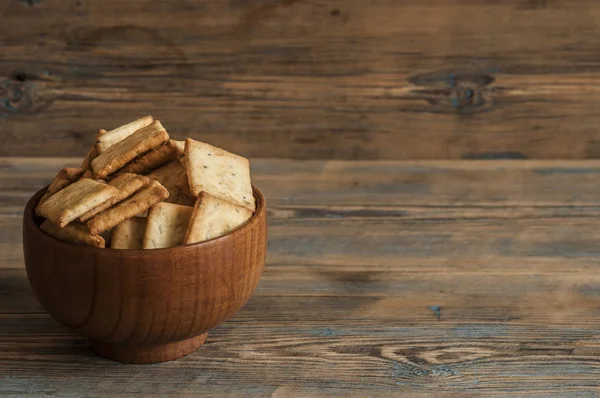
(75, 233)
(76, 199)
(87, 174)
(167, 224)
(180, 145)
(149, 161)
(213, 217)
(129, 234)
(139, 202)
(92, 153)
(110, 138)
(62, 179)
(218, 172)
(173, 177)
(123, 152)
(127, 184)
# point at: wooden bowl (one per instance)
(145, 306)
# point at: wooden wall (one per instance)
(353, 79)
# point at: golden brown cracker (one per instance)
(130, 207)
(127, 184)
(87, 174)
(173, 177)
(92, 153)
(149, 161)
(110, 138)
(123, 152)
(167, 225)
(63, 178)
(218, 172)
(213, 217)
(74, 200)
(75, 233)
(180, 145)
(129, 234)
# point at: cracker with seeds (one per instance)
(120, 133)
(152, 160)
(173, 177)
(218, 172)
(76, 199)
(130, 207)
(213, 217)
(62, 179)
(127, 184)
(125, 151)
(129, 234)
(167, 224)
(75, 233)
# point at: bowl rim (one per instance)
(29, 219)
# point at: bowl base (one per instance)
(148, 353)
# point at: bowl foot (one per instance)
(149, 353)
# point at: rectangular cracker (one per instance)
(62, 179)
(167, 225)
(123, 152)
(92, 153)
(120, 133)
(180, 145)
(127, 184)
(218, 172)
(173, 177)
(87, 174)
(213, 217)
(129, 234)
(149, 161)
(76, 199)
(130, 207)
(75, 233)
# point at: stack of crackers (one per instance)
(139, 189)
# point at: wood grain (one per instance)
(334, 79)
(145, 306)
(425, 279)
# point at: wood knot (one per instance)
(22, 93)
(463, 93)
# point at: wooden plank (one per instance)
(426, 279)
(374, 183)
(347, 358)
(339, 79)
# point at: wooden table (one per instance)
(383, 279)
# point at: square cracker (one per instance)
(167, 224)
(92, 153)
(213, 217)
(139, 202)
(180, 145)
(120, 133)
(87, 174)
(173, 177)
(127, 184)
(63, 178)
(218, 172)
(129, 234)
(123, 152)
(76, 199)
(149, 161)
(75, 233)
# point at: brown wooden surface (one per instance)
(387, 278)
(332, 79)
